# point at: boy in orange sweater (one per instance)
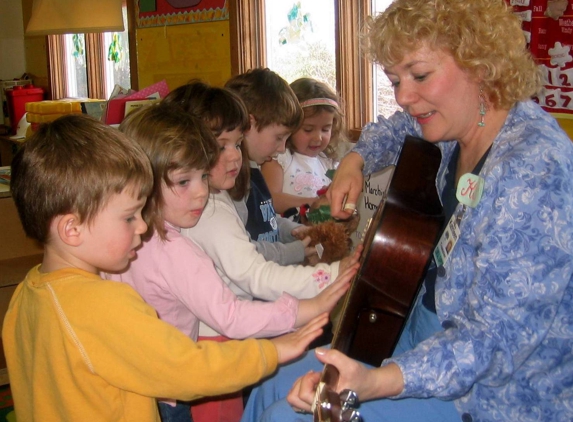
(81, 348)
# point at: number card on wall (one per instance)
(548, 28)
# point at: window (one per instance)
(383, 93)
(300, 39)
(89, 65)
(76, 65)
(329, 31)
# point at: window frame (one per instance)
(95, 60)
(353, 71)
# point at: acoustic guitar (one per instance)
(398, 245)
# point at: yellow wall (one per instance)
(178, 53)
(567, 125)
(36, 55)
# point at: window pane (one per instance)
(117, 68)
(77, 83)
(384, 100)
(300, 39)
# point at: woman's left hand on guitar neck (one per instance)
(368, 383)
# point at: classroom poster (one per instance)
(548, 28)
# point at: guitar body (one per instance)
(398, 246)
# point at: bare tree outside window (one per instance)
(300, 39)
(385, 101)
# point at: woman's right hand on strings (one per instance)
(368, 383)
(352, 375)
(346, 186)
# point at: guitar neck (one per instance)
(338, 336)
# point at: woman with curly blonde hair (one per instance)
(490, 335)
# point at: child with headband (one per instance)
(296, 177)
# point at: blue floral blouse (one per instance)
(506, 298)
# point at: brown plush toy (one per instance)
(333, 237)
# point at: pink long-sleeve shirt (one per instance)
(180, 281)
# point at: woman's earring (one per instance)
(482, 108)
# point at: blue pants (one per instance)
(179, 413)
(267, 402)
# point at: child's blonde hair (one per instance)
(74, 165)
(173, 140)
(315, 96)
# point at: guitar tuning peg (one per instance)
(350, 415)
(349, 403)
(349, 399)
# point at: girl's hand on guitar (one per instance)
(351, 260)
(346, 186)
(302, 394)
(368, 383)
(292, 345)
(326, 300)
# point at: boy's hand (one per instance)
(327, 299)
(292, 345)
(309, 251)
(300, 231)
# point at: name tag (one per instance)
(448, 240)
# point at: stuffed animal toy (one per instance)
(330, 237)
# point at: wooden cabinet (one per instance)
(8, 148)
(17, 255)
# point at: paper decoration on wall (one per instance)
(146, 5)
(183, 3)
(548, 29)
(176, 12)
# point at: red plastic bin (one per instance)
(17, 97)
